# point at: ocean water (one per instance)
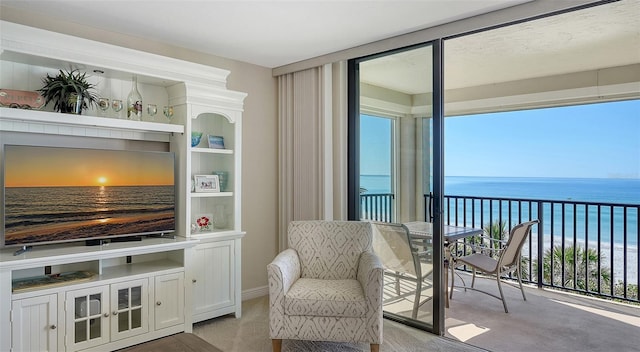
(625, 191)
(376, 183)
(614, 222)
(49, 214)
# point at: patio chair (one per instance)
(403, 258)
(327, 286)
(496, 262)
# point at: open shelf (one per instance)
(211, 194)
(73, 253)
(131, 270)
(19, 119)
(212, 151)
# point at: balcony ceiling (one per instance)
(269, 33)
(585, 40)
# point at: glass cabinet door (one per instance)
(129, 314)
(87, 326)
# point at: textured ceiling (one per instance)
(588, 39)
(269, 33)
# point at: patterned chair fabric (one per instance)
(327, 286)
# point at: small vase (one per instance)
(134, 102)
(220, 217)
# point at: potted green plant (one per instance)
(69, 91)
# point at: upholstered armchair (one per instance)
(327, 286)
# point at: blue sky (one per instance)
(375, 146)
(587, 141)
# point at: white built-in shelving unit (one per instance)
(169, 282)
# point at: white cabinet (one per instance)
(87, 320)
(129, 308)
(99, 315)
(215, 289)
(137, 294)
(169, 300)
(103, 314)
(34, 324)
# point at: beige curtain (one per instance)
(312, 143)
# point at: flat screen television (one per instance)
(62, 194)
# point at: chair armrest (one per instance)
(282, 272)
(487, 247)
(495, 240)
(371, 276)
(422, 253)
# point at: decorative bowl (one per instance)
(195, 138)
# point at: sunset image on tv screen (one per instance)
(62, 194)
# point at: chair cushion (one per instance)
(325, 298)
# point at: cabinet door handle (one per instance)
(158, 303)
(115, 312)
(53, 327)
(194, 281)
(106, 315)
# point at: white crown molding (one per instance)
(21, 42)
(204, 98)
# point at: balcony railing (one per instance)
(377, 207)
(589, 248)
(586, 247)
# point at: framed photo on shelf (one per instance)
(206, 183)
(215, 142)
(203, 222)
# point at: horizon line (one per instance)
(568, 177)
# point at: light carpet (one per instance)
(251, 334)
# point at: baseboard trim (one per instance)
(255, 292)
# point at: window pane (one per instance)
(123, 321)
(81, 307)
(81, 331)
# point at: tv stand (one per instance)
(22, 250)
(87, 283)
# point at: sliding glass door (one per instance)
(514, 69)
(391, 148)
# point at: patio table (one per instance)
(424, 230)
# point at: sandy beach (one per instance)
(103, 227)
(606, 253)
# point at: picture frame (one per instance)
(203, 222)
(206, 183)
(215, 142)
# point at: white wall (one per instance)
(259, 165)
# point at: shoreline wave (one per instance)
(97, 228)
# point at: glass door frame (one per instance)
(353, 171)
